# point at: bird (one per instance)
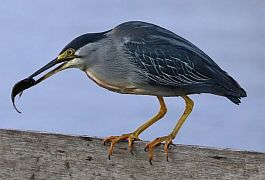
(142, 58)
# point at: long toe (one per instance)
(150, 146)
(131, 137)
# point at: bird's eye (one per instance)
(70, 52)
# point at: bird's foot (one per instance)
(131, 137)
(149, 146)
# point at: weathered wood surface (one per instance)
(32, 155)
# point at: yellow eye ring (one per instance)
(70, 52)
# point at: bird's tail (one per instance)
(230, 88)
(237, 99)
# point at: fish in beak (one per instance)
(29, 82)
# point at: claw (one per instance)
(131, 138)
(115, 139)
(104, 142)
(174, 145)
(145, 149)
(131, 152)
(157, 141)
(150, 161)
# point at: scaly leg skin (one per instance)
(168, 139)
(134, 135)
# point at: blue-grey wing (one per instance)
(165, 64)
(165, 58)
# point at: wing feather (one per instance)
(165, 66)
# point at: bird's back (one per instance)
(170, 62)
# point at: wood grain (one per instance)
(34, 155)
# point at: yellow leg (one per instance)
(134, 135)
(168, 139)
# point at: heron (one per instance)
(144, 59)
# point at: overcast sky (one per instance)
(231, 32)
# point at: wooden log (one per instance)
(34, 155)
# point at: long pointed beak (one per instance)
(44, 68)
(24, 84)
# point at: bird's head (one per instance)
(74, 55)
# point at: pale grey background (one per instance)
(231, 32)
